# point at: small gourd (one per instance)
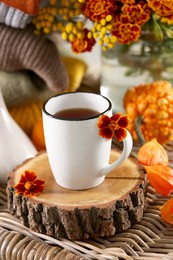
(154, 103)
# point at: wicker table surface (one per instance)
(150, 239)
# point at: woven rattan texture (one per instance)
(150, 239)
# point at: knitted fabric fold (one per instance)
(13, 17)
(22, 50)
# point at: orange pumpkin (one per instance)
(154, 102)
(37, 135)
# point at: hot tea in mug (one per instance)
(78, 155)
(76, 113)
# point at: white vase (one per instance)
(15, 145)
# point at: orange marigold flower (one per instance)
(167, 19)
(29, 185)
(166, 211)
(98, 9)
(137, 13)
(161, 7)
(114, 126)
(126, 32)
(82, 45)
(129, 2)
(160, 178)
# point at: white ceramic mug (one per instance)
(78, 156)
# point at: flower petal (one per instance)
(123, 121)
(103, 121)
(29, 193)
(37, 190)
(39, 182)
(120, 134)
(106, 133)
(20, 188)
(22, 179)
(30, 176)
(116, 117)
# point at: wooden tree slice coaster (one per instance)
(111, 207)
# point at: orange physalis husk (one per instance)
(29, 185)
(114, 126)
(152, 153)
(160, 178)
(166, 211)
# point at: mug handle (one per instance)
(127, 147)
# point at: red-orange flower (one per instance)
(98, 9)
(126, 32)
(130, 2)
(167, 19)
(29, 185)
(166, 211)
(126, 17)
(137, 14)
(160, 178)
(161, 7)
(114, 126)
(84, 44)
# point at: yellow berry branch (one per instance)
(66, 17)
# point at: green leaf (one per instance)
(168, 31)
(157, 30)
